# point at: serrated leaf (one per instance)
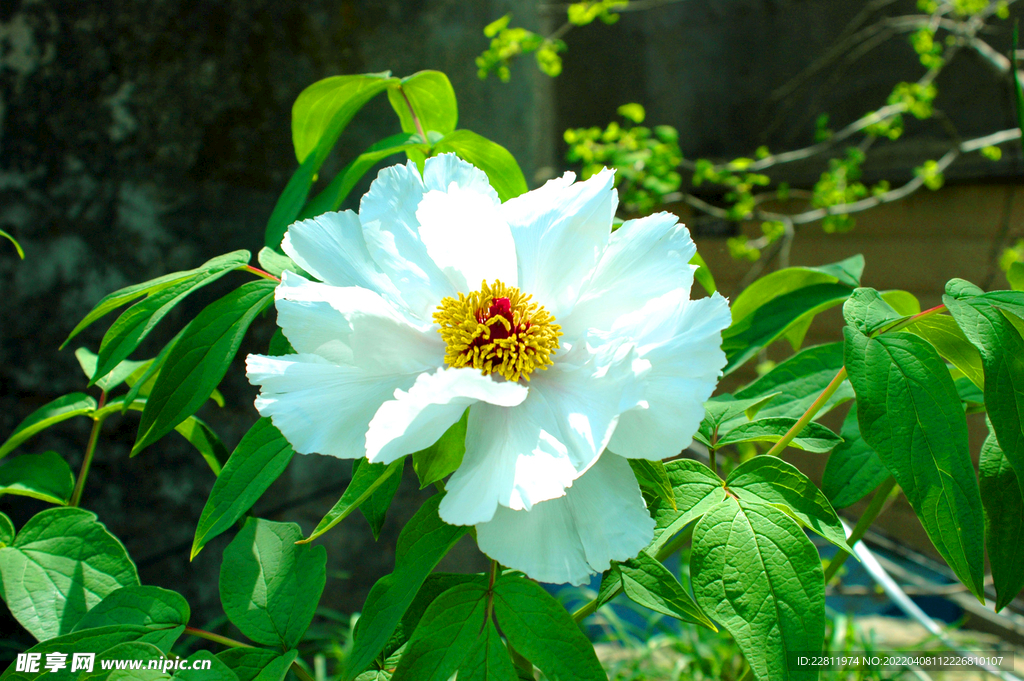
(258, 664)
(502, 170)
(59, 566)
(46, 477)
(160, 610)
(649, 583)
(134, 325)
(653, 478)
(910, 414)
(423, 542)
(756, 573)
(258, 460)
(770, 480)
(431, 97)
(61, 409)
(1002, 357)
(952, 345)
(269, 585)
(375, 507)
(87, 360)
(696, 489)
(813, 438)
(444, 456)
(540, 629)
(853, 468)
(366, 479)
(199, 360)
(1004, 521)
(798, 381)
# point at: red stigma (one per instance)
(500, 307)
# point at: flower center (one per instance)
(497, 330)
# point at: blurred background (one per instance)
(140, 138)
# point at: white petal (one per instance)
(388, 215)
(440, 171)
(355, 326)
(318, 406)
(645, 258)
(601, 518)
(467, 237)
(560, 231)
(331, 248)
(519, 456)
(682, 341)
(414, 420)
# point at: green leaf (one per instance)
(766, 324)
(335, 193)
(431, 96)
(199, 360)
(791, 279)
(435, 585)
(853, 468)
(17, 246)
(46, 477)
(258, 664)
(120, 373)
(653, 479)
(756, 573)
(445, 635)
(97, 641)
(132, 327)
(696, 490)
(723, 409)
(904, 302)
(492, 158)
(126, 653)
(277, 263)
(440, 459)
(1002, 356)
(61, 409)
(952, 345)
(123, 296)
(162, 611)
(540, 629)
(423, 542)
(6, 531)
(770, 480)
(1015, 275)
(366, 479)
(813, 438)
(375, 507)
(649, 583)
(258, 460)
(269, 585)
(144, 378)
(868, 311)
(202, 437)
(910, 414)
(218, 671)
(1004, 521)
(703, 274)
(289, 204)
(798, 381)
(488, 660)
(61, 564)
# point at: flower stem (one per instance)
(90, 449)
(885, 491)
(809, 414)
(261, 273)
(216, 638)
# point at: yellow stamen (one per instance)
(497, 330)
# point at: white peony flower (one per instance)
(561, 337)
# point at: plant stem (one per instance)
(260, 273)
(94, 436)
(809, 414)
(907, 322)
(415, 118)
(216, 638)
(232, 643)
(885, 491)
